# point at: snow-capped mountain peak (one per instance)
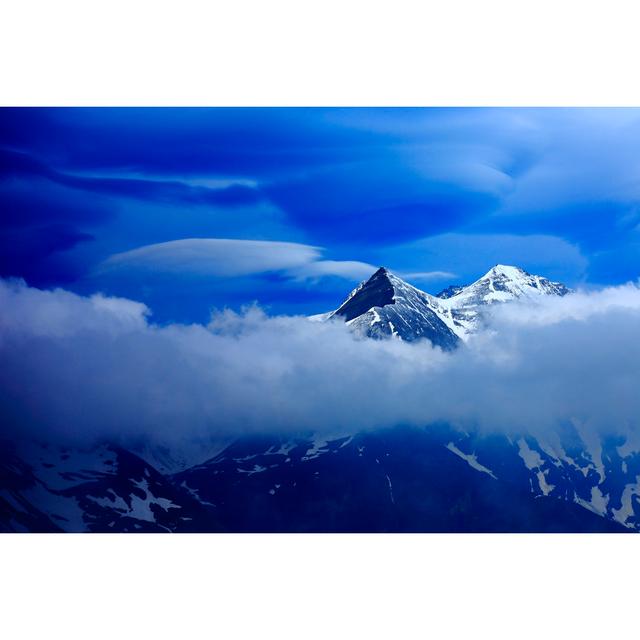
(385, 305)
(505, 270)
(502, 283)
(377, 291)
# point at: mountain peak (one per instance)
(385, 305)
(381, 271)
(505, 270)
(503, 283)
(377, 291)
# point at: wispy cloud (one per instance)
(427, 275)
(214, 256)
(140, 188)
(228, 258)
(348, 269)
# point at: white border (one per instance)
(458, 52)
(313, 586)
(335, 52)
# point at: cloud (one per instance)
(385, 198)
(427, 275)
(215, 257)
(226, 258)
(588, 156)
(58, 313)
(180, 192)
(39, 253)
(469, 254)
(357, 181)
(86, 368)
(584, 306)
(348, 269)
(184, 141)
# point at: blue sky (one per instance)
(189, 209)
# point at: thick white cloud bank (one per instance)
(93, 368)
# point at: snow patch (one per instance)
(533, 461)
(470, 459)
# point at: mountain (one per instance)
(501, 284)
(385, 305)
(400, 479)
(104, 488)
(393, 480)
(464, 305)
(450, 291)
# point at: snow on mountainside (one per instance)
(102, 488)
(386, 305)
(503, 283)
(398, 479)
(500, 284)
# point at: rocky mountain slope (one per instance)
(394, 480)
(385, 306)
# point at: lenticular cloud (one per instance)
(91, 368)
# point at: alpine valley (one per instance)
(402, 479)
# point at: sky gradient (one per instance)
(192, 209)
